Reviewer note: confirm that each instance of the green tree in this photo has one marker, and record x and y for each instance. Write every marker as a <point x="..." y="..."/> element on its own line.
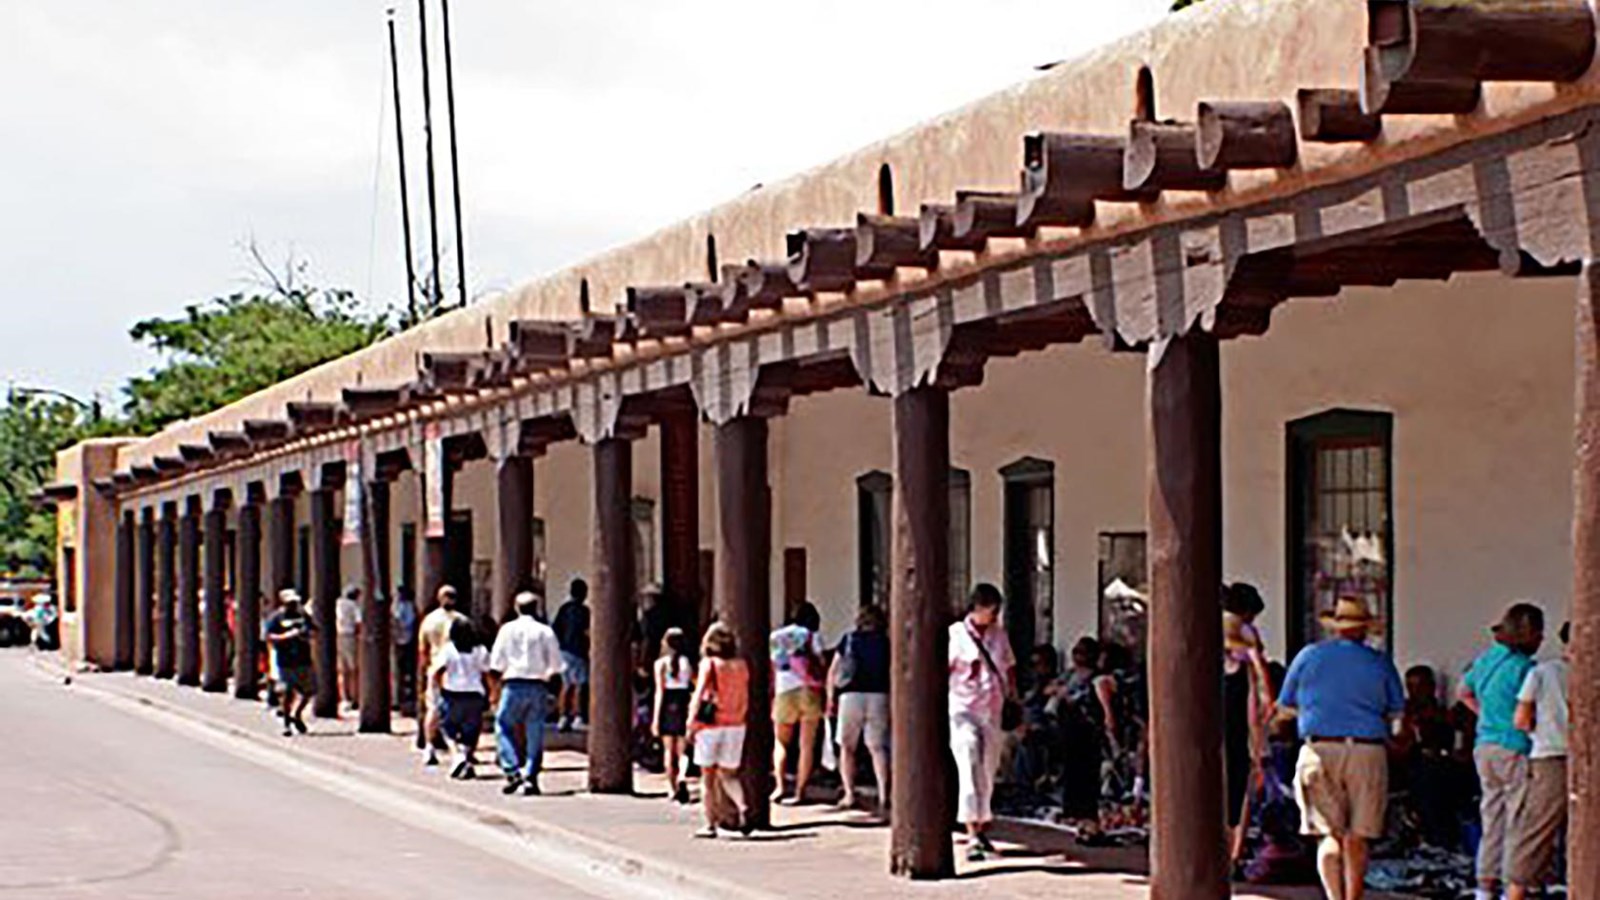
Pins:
<point x="33" y="428"/>
<point x="227" y="348"/>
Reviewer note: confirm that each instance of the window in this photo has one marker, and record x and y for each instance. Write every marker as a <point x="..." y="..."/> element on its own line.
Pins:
<point x="874" y="530"/>
<point x="1029" y="552"/>
<point x="1124" y="591"/>
<point x="1341" y="529"/>
<point x="643" y="514"/>
<point x="875" y="536"/>
<point x="408" y="558"/>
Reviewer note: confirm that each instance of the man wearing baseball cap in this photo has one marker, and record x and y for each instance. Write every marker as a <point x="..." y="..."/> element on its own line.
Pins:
<point x="1343" y="694"/>
<point x="288" y="633"/>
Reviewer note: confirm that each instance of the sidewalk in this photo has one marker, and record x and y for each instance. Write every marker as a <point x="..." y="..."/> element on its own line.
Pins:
<point x="812" y="852"/>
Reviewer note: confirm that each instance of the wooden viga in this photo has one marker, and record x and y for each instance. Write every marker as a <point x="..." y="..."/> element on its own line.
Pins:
<point x="1064" y="174"/>
<point x="1432" y="56"/>
<point x="824" y="260"/>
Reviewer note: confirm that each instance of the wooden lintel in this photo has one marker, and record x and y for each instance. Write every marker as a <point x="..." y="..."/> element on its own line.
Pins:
<point x="1246" y="135"/>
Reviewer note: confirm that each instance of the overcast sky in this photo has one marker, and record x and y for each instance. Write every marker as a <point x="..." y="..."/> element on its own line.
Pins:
<point x="143" y="142"/>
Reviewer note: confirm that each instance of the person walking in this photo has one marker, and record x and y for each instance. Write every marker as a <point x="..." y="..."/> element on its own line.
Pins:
<point x="673" y="675"/>
<point x="288" y="633"/>
<point x="572" y="631"/>
<point x="858" y="693"/>
<point x="347" y="621"/>
<point x="797" y="677"/>
<point x="403" y="614"/>
<point x="982" y="680"/>
<point x="1490" y="689"/>
<point x="717" y="723"/>
<point x="1543" y="714"/>
<point x="458" y="677"/>
<point x="1343" y="694"/>
<point x="432" y="636"/>
<point x="527" y="660"/>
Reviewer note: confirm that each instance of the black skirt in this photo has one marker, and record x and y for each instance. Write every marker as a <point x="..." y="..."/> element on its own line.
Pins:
<point x="675" y="712"/>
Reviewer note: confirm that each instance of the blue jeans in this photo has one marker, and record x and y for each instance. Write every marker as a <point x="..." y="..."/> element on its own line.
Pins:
<point x="523" y="703"/>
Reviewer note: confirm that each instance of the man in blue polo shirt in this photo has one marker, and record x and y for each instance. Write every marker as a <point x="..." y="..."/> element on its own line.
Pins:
<point x="1491" y="689"/>
<point x="1344" y="694"/>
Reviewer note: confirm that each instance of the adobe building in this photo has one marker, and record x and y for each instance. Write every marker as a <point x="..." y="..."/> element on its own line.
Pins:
<point x="1296" y="292"/>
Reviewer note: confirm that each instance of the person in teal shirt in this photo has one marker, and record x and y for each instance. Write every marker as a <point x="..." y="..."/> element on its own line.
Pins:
<point x="1490" y="689"/>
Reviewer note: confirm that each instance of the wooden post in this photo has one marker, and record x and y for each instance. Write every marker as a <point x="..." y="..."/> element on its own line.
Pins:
<point x="514" y="568"/>
<point x="214" y="678"/>
<point x="189" y="594"/>
<point x="122" y="620"/>
<point x="680" y="520"/>
<point x="1188" y="856"/>
<point x="167" y="602"/>
<point x="324" y="600"/>
<point x="610" y="656"/>
<point x="144" y="624"/>
<point x="922" y="807"/>
<point x="281" y="540"/>
<point x="744" y="590"/>
<point x="376" y="631"/>
<point x="247" y="594"/>
<point x="1583" y="838"/>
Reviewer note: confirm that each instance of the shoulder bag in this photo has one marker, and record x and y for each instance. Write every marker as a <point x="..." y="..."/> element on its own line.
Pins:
<point x="1010" y="710"/>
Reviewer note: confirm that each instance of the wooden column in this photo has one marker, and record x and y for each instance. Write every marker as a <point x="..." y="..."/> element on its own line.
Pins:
<point x="167" y="597"/>
<point x="680" y="520"/>
<point x="324" y="599"/>
<point x="247" y="594"/>
<point x="189" y="593"/>
<point x="281" y="541"/>
<point x="744" y="591"/>
<point x="514" y="503"/>
<point x="376" y="631"/>
<point x="610" y="651"/>
<point x="1188" y="856"/>
<point x="922" y="808"/>
<point x="214" y="677"/>
<point x="123" y="617"/>
<point x="144" y="624"/>
<point x="1583" y="837"/>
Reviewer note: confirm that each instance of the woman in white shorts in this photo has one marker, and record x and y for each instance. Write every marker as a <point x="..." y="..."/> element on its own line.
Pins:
<point x="858" y="693"/>
<point x="717" y="723"/>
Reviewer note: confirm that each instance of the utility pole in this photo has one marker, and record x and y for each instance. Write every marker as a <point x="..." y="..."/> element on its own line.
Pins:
<point x="455" y="153"/>
<point x="435" y="295"/>
<point x="405" y="198"/>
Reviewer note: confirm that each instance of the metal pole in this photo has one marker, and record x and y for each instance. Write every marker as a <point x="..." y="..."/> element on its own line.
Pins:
<point x="405" y="197"/>
<point x="435" y="296"/>
<point x="455" y="157"/>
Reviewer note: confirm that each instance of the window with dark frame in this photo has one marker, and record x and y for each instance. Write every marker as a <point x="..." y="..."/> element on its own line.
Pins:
<point x="1341" y="518"/>
<point x="875" y="537"/>
<point x="1030" y="485"/>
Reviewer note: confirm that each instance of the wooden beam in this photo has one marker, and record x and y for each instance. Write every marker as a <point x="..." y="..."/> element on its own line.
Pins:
<point x="451" y="373"/>
<point x="196" y="453"/>
<point x="1246" y="135"/>
<point x="981" y="215"/>
<point x="1334" y="116"/>
<point x="1583" y="837"/>
<point x="707" y="302"/>
<point x="659" y="311"/>
<point x="1381" y="95"/>
<point x="267" y="432"/>
<point x="1481" y="40"/>
<point x="824" y="260"/>
<point x="768" y="284"/>
<point x="372" y="402"/>
<point x="611" y="681"/>
<point x="228" y="444"/>
<point x="1161" y="157"/>
<point x="538" y="345"/>
<point x="309" y="416"/>
<point x="170" y="465"/>
<point x="890" y="242"/>
<point x="1065" y="173"/>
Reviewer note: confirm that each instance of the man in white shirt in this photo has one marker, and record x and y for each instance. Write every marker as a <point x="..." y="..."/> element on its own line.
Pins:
<point x="1542" y="712"/>
<point x="347" y="619"/>
<point x="526" y="658"/>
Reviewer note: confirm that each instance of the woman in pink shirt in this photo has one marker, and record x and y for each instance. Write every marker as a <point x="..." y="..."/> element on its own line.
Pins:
<point x="982" y="676"/>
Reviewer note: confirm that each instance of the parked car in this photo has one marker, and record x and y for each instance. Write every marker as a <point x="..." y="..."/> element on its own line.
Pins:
<point x="14" y="629"/>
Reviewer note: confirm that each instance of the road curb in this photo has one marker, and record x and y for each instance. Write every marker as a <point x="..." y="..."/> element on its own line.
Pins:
<point x="615" y="859"/>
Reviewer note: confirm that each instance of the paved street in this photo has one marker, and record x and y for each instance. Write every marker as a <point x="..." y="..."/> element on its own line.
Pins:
<point x="102" y="802"/>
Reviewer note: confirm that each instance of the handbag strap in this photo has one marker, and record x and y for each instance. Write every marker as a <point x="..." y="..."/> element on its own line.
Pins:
<point x="711" y="680"/>
<point x="988" y="660"/>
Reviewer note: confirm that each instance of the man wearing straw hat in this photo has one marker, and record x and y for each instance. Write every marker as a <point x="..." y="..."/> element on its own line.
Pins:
<point x="1344" y="694"/>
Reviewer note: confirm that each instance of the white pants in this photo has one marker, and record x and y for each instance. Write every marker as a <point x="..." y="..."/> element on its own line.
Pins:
<point x="975" y="743"/>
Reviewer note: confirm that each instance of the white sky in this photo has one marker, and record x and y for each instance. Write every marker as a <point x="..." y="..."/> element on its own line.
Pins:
<point x="142" y="142"/>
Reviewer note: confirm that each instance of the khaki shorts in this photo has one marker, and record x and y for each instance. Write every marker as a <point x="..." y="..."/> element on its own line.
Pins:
<point x="802" y="705"/>
<point x="1342" y="789"/>
<point x="349" y="651"/>
<point x="1539" y="824"/>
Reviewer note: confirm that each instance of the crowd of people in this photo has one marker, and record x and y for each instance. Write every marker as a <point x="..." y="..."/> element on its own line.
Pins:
<point x="1314" y="754"/>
